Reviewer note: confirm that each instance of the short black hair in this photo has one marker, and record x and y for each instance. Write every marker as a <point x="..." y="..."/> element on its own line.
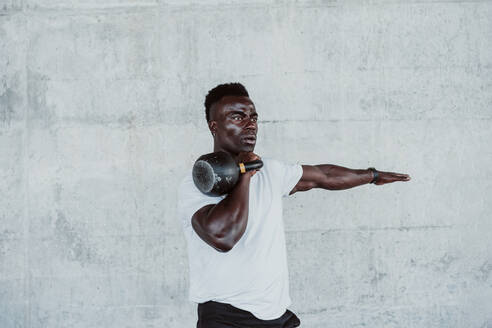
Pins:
<point x="222" y="90"/>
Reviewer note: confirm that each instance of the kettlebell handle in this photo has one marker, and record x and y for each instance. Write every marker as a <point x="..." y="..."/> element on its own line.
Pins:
<point x="250" y="166"/>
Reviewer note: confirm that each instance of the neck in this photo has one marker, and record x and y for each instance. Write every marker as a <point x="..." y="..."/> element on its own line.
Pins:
<point x="218" y="148"/>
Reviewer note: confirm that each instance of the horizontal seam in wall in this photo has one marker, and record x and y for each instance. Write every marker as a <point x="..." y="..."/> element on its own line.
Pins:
<point x="369" y="229"/>
<point x="130" y="9"/>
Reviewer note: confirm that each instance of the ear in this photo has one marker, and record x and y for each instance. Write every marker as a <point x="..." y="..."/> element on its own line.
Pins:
<point x="212" y="125"/>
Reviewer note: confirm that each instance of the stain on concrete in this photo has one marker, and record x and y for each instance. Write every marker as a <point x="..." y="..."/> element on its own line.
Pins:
<point x="377" y="277"/>
<point x="11" y="6"/>
<point x="73" y="245"/>
<point x="313" y="311"/>
<point x="37" y="88"/>
<point x="445" y="262"/>
<point x="57" y="192"/>
<point x="7" y="104"/>
<point x="485" y="271"/>
<point x="2" y="249"/>
<point x="365" y="299"/>
<point x="10" y="100"/>
<point x="151" y="314"/>
<point x="4" y="236"/>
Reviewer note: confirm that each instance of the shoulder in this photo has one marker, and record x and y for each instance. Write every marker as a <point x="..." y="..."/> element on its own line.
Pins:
<point x="270" y="166"/>
<point x="275" y="165"/>
<point x="278" y="169"/>
<point x="271" y="163"/>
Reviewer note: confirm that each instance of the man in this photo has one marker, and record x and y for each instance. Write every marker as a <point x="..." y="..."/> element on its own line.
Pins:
<point x="236" y="242"/>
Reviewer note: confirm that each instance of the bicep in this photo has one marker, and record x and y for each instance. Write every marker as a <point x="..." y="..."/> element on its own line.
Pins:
<point x="312" y="177"/>
<point x="198" y="222"/>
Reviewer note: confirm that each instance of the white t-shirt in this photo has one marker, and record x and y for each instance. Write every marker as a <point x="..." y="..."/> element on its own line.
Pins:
<point x="253" y="275"/>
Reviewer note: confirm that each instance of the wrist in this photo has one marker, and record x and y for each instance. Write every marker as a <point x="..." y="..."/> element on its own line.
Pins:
<point x="375" y="174"/>
<point x="245" y="177"/>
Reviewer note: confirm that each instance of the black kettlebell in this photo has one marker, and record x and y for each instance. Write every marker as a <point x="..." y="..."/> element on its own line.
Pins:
<point x="217" y="173"/>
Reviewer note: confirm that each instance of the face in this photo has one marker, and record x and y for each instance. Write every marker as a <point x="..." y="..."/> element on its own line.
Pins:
<point x="233" y="120"/>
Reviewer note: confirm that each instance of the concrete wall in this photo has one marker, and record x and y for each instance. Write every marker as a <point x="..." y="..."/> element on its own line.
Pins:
<point x="101" y="116"/>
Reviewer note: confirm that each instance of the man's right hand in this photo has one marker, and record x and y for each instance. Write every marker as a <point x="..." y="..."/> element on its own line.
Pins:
<point x="245" y="157"/>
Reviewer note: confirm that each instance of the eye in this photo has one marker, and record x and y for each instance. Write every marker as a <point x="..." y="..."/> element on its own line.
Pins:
<point x="254" y="119"/>
<point x="237" y="118"/>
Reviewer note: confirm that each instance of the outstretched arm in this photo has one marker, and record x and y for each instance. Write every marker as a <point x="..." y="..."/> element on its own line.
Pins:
<point x="334" y="177"/>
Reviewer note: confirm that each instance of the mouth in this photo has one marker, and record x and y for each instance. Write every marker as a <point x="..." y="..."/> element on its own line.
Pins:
<point x="249" y="139"/>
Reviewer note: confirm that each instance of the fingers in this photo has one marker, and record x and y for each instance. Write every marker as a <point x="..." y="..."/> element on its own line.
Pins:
<point x="247" y="157"/>
<point x="399" y="177"/>
<point x="402" y="177"/>
<point x="253" y="157"/>
<point x="389" y="177"/>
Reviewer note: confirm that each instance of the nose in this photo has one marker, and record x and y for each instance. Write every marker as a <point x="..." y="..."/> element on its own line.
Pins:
<point x="252" y="124"/>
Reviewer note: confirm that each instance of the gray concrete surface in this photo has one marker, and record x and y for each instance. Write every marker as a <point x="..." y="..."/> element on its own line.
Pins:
<point x="101" y="115"/>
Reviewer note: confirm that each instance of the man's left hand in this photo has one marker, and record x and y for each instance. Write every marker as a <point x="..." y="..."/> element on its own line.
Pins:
<point x="389" y="177"/>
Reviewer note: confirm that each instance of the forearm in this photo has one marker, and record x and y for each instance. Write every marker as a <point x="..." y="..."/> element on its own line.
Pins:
<point x="339" y="177"/>
<point x="226" y="222"/>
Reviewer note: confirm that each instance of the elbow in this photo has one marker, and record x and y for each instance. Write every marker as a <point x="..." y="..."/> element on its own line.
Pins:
<point x="222" y="246"/>
<point x="223" y="240"/>
<point x="218" y="237"/>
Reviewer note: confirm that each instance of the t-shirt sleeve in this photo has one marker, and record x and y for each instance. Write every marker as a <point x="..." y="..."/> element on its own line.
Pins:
<point x="190" y="200"/>
<point x="290" y="176"/>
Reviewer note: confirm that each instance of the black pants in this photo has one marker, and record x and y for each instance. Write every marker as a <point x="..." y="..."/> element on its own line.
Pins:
<point x="220" y="315"/>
